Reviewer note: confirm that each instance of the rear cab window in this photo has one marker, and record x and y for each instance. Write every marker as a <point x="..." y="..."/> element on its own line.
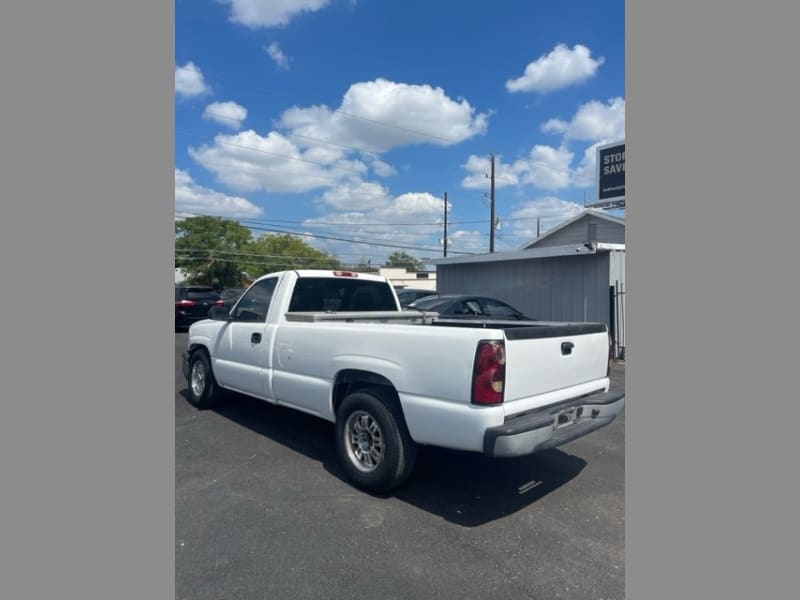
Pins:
<point x="333" y="294"/>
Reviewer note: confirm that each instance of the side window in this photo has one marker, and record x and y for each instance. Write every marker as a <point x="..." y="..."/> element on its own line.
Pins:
<point x="254" y="305"/>
<point x="495" y="308"/>
<point x="473" y="308"/>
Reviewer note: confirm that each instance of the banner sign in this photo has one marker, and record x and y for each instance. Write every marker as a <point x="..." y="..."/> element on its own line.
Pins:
<point x="611" y="171"/>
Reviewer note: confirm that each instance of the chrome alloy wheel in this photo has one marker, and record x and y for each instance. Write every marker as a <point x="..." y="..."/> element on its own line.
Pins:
<point x="364" y="440"/>
<point x="198" y="378"/>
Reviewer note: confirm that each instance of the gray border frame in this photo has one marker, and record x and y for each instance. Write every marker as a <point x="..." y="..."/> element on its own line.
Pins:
<point x="87" y="168"/>
<point x="711" y="410"/>
<point x="86" y="239"/>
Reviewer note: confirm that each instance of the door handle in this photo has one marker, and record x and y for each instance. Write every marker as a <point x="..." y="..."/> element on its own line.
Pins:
<point x="255" y="338"/>
<point x="566" y="348"/>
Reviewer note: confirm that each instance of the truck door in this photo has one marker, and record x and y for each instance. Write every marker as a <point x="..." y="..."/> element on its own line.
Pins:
<point x="244" y="353"/>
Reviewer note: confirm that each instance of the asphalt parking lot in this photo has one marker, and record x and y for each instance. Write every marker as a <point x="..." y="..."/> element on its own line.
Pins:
<point x="263" y="512"/>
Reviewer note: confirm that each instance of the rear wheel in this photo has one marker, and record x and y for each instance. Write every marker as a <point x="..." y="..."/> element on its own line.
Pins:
<point x="203" y="389"/>
<point x="372" y="441"/>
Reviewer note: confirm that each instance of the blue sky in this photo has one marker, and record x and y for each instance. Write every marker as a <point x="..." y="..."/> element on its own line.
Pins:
<point x="350" y="119"/>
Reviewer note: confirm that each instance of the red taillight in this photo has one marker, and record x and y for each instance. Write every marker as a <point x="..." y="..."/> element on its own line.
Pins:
<point x="218" y="302"/>
<point x="185" y="303"/>
<point x="489" y="372"/>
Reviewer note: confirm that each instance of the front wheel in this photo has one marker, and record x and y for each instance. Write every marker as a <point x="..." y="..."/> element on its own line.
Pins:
<point x="372" y="441"/>
<point x="203" y="389"/>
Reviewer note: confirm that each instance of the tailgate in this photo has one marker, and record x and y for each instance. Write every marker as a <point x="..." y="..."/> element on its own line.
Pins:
<point x="550" y="363"/>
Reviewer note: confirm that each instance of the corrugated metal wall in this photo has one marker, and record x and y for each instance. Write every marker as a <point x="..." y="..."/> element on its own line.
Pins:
<point x="586" y="229"/>
<point x="565" y="288"/>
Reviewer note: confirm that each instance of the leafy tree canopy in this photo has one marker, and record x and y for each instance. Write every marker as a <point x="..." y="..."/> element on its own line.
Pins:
<point x="281" y="252"/>
<point x="223" y="253"/>
<point x="209" y="249"/>
<point x="403" y="260"/>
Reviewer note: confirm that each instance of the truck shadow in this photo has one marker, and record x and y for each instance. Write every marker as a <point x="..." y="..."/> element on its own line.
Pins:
<point x="470" y="489"/>
<point x="464" y="488"/>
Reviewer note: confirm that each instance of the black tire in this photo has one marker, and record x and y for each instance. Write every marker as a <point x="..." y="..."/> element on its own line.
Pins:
<point x="203" y="389"/>
<point x="384" y="457"/>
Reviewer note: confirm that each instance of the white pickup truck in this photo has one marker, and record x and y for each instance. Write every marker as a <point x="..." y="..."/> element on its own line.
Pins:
<point x="337" y="345"/>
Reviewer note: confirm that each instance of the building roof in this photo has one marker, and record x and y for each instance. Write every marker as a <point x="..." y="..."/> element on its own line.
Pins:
<point x="582" y="215"/>
<point x="528" y="253"/>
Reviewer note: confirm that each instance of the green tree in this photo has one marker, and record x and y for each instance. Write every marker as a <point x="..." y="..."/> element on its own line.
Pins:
<point x="403" y="260"/>
<point x="209" y="249"/>
<point x="219" y="252"/>
<point x="283" y="252"/>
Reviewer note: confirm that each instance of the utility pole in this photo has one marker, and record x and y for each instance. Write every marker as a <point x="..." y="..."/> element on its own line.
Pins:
<point x="492" y="222"/>
<point x="444" y="240"/>
<point x="538" y="223"/>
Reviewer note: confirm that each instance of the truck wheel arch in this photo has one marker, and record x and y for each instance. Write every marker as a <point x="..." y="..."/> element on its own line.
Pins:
<point x="348" y="381"/>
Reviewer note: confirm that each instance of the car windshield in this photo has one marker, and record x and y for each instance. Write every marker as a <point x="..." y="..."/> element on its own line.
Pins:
<point x="429" y="303"/>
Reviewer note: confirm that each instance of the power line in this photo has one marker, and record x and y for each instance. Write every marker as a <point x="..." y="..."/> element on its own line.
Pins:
<point x="234" y="253"/>
<point x="387" y="223"/>
<point x="352" y="241"/>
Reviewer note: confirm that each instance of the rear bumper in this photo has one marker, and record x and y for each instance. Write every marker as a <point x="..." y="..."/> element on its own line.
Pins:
<point x="553" y="425"/>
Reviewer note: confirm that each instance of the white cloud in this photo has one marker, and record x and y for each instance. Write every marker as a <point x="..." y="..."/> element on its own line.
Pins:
<point x="229" y="114"/>
<point x="560" y="68"/>
<point x="248" y="161"/>
<point x="356" y="195"/>
<point x="480" y="166"/>
<point x="322" y="147"/>
<point x="464" y="240"/>
<point x="191" y="198"/>
<point x="550" y="210"/>
<point x="546" y="167"/>
<point x="593" y="121"/>
<point x="376" y="116"/>
<point x="276" y="54"/>
<point x="189" y="81"/>
<point x="386" y="221"/>
<point x="383" y="169"/>
<point x="585" y="175"/>
<point x="597" y="122"/>
<point x="269" y="13"/>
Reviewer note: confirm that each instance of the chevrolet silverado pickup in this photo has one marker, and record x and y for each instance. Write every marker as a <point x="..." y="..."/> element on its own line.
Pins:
<point x="336" y="344"/>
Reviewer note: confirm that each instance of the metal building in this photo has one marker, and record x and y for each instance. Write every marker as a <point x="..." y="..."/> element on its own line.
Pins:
<point x="576" y="272"/>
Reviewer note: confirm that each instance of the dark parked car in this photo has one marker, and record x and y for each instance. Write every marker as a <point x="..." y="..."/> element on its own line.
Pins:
<point x="408" y="295"/>
<point x="192" y="303"/>
<point x="469" y="307"/>
<point x="230" y="296"/>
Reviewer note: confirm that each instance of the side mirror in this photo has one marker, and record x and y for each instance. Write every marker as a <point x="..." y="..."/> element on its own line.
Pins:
<point x="219" y="313"/>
